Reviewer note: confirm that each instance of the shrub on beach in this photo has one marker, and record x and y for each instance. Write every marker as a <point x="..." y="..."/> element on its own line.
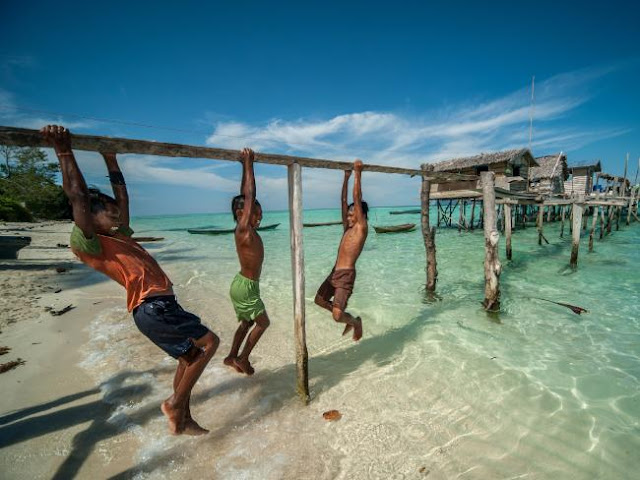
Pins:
<point x="28" y="179"/>
<point x="12" y="211"/>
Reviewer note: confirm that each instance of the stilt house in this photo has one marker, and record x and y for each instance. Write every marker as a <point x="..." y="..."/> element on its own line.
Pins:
<point x="548" y="179"/>
<point x="614" y="184"/>
<point x="510" y="166"/>
<point x="580" y="181"/>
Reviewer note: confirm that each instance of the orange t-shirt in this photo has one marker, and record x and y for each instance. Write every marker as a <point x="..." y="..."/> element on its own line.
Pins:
<point x="122" y="259"/>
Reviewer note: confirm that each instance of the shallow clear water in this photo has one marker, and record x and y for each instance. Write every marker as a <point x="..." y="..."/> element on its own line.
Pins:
<point x="434" y="387"/>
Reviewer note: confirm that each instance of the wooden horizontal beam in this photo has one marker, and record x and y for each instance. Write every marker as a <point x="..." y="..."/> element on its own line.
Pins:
<point x="23" y="137"/>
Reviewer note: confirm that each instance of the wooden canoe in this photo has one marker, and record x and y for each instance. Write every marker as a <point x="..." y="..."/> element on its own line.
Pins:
<point x="405" y="227"/>
<point x="221" y="231"/>
<point x="9" y="245"/>
<point x="401" y="212"/>
<point x="321" y="224"/>
<point x="148" y="239"/>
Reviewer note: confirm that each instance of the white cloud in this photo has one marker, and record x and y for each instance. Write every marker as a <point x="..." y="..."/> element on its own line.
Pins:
<point x="390" y="138"/>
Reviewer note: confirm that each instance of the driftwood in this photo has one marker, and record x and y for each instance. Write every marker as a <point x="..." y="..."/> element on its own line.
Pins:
<point x="62" y="311"/>
<point x="5" y="367"/>
<point x="4" y="350"/>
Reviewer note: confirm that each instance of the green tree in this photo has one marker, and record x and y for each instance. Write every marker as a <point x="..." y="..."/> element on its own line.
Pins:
<point x="29" y="179"/>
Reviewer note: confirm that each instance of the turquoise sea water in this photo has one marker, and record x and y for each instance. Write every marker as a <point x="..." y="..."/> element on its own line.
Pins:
<point x="434" y="388"/>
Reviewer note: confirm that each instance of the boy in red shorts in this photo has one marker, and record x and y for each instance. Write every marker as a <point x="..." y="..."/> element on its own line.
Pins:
<point x="101" y="238"/>
<point x="339" y="284"/>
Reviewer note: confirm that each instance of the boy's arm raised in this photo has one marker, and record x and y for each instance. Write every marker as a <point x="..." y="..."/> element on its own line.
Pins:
<point x="73" y="182"/>
<point x="345" y="203"/>
<point x="357" y="192"/>
<point x="118" y="186"/>
<point x="248" y="187"/>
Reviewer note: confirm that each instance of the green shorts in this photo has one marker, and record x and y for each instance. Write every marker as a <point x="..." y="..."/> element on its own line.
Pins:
<point x="245" y="297"/>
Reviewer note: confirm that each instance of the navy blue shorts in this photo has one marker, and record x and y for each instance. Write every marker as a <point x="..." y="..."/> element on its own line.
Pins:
<point x="165" y="323"/>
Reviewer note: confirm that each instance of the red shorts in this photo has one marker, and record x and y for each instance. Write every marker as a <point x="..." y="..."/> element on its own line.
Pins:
<point x="339" y="286"/>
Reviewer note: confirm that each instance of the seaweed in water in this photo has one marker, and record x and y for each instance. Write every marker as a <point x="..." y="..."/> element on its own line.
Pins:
<point x="573" y="308"/>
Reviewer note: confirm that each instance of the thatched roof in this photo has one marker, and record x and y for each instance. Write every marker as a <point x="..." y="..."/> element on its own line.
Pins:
<point x="547" y="165"/>
<point x="510" y="156"/>
<point x="593" y="165"/>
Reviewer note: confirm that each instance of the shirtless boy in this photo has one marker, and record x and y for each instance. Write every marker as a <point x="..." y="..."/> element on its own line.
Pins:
<point x="245" y="288"/>
<point x="339" y="283"/>
<point x="101" y="238"/>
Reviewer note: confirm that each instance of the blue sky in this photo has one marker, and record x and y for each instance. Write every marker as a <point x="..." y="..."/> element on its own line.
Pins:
<point x="399" y="83"/>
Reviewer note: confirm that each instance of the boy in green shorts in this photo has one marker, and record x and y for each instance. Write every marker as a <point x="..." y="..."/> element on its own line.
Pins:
<point x="245" y="288"/>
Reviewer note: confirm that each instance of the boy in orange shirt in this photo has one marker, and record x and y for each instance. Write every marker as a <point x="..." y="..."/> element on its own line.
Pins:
<point x="101" y="238"/>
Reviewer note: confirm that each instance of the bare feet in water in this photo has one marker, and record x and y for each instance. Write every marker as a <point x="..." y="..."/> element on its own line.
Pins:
<point x="230" y="362"/>
<point x="191" y="427"/>
<point x="175" y="417"/>
<point x="347" y="329"/>
<point x="357" y="329"/>
<point x="243" y="365"/>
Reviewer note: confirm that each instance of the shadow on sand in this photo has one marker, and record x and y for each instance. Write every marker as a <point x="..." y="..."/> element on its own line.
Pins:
<point x="327" y="370"/>
<point x="278" y="386"/>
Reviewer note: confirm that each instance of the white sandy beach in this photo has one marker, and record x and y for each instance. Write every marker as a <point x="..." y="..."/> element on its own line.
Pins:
<point x="49" y="406"/>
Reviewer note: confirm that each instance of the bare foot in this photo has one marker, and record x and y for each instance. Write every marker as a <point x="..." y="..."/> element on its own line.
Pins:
<point x="175" y="417"/>
<point x="244" y="366"/>
<point x="347" y="329"/>
<point x="231" y="362"/>
<point x="357" y="329"/>
<point x="191" y="427"/>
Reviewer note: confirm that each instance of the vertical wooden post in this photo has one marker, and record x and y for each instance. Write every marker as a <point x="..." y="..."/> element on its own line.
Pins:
<point x="428" y="232"/>
<point x="610" y="219"/>
<point x="594" y="220"/>
<point x="507" y="228"/>
<point x="539" y="223"/>
<point x="549" y="211"/>
<point x="575" y="234"/>
<point x="632" y="197"/>
<point x="562" y="221"/>
<point x="473" y="212"/>
<point x="492" y="267"/>
<point x="618" y="213"/>
<point x="297" y="270"/>
<point x="460" y="214"/>
<point x="601" y="222"/>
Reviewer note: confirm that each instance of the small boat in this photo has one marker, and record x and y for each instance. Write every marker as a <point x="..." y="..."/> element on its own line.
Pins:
<point x="9" y="245"/>
<point x="405" y="227"/>
<point x="220" y="231"/>
<point x="321" y="224"/>
<point x="401" y="212"/>
<point x="148" y="239"/>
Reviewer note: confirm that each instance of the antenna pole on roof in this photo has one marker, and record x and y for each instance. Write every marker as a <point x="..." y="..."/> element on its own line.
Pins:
<point x="533" y="84"/>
